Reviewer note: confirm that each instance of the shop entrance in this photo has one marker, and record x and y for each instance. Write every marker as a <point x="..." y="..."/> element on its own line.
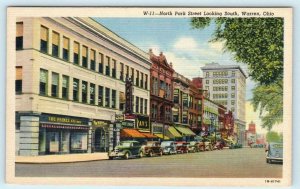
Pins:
<point x="100" y="140"/>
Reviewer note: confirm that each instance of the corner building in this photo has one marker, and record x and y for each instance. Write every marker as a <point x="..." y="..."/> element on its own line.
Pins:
<point x="70" y="85"/>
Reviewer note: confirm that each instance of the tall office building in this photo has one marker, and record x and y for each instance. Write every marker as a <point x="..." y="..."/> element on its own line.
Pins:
<point x="226" y="84"/>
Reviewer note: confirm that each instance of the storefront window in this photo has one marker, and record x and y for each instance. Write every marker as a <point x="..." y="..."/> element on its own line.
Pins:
<point x="113" y="98"/>
<point x="100" y="96"/>
<point x="53" y="142"/>
<point x="78" y="141"/>
<point x="65" y="84"/>
<point x="107" y="97"/>
<point x="75" y="89"/>
<point x="43" y="82"/>
<point x="65" y="143"/>
<point x="84" y="92"/>
<point x="92" y="93"/>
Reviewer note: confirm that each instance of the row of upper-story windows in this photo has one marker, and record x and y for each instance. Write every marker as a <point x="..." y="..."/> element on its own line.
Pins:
<point x="82" y="55"/>
<point x="219" y="74"/>
<point x="85" y="92"/>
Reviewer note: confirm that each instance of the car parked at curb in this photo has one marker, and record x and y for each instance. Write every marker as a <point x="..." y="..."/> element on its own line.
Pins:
<point x="182" y="147"/>
<point x="127" y="149"/>
<point x="194" y="146"/>
<point x="274" y="152"/>
<point x="151" y="148"/>
<point x="169" y="147"/>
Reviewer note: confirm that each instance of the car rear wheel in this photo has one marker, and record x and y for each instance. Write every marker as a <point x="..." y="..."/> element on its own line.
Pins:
<point x="160" y="153"/>
<point x="111" y="158"/>
<point x="141" y="154"/>
<point x="150" y="154"/>
<point x="126" y="155"/>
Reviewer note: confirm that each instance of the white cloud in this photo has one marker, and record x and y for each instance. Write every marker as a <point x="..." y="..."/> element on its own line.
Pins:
<point x="186" y="44"/>
<point x="217" y="46"/>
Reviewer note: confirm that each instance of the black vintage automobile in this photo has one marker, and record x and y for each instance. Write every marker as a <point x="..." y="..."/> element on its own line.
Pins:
<point x="127" y="149"/>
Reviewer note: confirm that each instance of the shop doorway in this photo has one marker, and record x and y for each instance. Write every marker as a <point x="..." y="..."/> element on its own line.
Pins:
<point x="100" y="140"/>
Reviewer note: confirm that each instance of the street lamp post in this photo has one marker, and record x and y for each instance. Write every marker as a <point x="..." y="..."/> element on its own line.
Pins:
<point x="212" y="126"/>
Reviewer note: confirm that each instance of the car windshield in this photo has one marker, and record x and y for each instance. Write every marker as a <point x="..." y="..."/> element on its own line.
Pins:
<point x="163" y="144"/>
<point x="125" y="144"/>
<point x="276" y="146"/>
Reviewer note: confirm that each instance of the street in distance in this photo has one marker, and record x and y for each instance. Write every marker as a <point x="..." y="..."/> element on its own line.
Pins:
<point x="205" y="13"/>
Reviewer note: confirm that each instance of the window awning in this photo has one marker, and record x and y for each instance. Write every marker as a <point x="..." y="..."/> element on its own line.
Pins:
<point x="149" y="135"/>
<point x="174" y="133"/>
<point x="185" y="131"/>
<point x="131" y="133"/>
<point x="161" y="136"/>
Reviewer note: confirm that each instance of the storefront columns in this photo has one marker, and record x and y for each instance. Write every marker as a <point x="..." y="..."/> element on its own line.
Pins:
<point x="90" y="135"/>
<point x="29" y="135"/>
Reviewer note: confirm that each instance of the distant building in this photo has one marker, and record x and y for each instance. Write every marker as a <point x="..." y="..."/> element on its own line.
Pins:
<point x="226" y="85"/>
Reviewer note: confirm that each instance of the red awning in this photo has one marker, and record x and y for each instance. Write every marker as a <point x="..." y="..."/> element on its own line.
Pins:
<point x="149" y="135"/>
<point x="131" y="133"/>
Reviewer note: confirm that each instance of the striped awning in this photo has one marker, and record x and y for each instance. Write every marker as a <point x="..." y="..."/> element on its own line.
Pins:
<point x="161" y="136"/>
<point x="131" y="133"/>
<point x="53" y="126"/>
<point x="185" y="131"/>
<point x="173" y="133"/>
<point x="149" y="135"/>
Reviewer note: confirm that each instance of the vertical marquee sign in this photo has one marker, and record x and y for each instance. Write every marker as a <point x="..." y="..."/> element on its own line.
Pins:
<point x="128" y="92"/>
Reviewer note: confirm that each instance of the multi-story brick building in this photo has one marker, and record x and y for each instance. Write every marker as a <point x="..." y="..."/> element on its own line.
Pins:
<point x="161" y="99"/>
<point x="70" y="75"/>
<point x="183" y="110"/>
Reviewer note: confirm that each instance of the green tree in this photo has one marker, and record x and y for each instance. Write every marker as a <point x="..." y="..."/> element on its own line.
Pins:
<point x="257" y="42"/>
<point x="273" y="137"/>
<point x="268" y="99"/>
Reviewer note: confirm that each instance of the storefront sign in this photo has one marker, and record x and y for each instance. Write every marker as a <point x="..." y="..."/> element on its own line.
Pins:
<point x="127" y="124"/>
<point x="157" y="128"/>
<point x="96" y="122"/>
<point x="63" y="119"/>
<point x="130" y="116"/>
<point x="142" y="122"/>
<point x="119" y="117"/>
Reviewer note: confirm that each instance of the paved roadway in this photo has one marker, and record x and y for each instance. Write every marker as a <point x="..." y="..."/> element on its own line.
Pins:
<point x="236" y="163"/>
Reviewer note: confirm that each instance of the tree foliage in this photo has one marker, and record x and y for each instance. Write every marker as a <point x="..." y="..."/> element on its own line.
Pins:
<point x="268" y="99"/>
<point x="257" y="42"/>
<point x="273" y="137"/>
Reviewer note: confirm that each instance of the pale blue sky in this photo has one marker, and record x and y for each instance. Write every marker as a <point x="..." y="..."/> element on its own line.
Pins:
<point x="188" y="49"/>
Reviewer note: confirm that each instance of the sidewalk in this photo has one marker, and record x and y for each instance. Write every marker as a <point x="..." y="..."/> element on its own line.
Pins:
<point x="66" y="158"/>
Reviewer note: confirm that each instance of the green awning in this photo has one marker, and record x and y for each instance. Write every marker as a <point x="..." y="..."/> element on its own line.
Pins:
<point x="185" y="131"/>
<point x="174" y="133"/>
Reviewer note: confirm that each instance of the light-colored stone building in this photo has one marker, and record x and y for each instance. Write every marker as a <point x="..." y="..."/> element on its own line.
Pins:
<point x="226" y="85"/>
<point x="70" y="85"/>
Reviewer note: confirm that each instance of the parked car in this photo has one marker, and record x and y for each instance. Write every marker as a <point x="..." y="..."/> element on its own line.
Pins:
<point x="182" y="147"/>
<point x="127" y="149"/>
<point x="274" y="152"/>
<point x="151" y="148"/>
<point x="208" y="146"/>
<point x="194" y="146"/>
<point x="169" y="147"/>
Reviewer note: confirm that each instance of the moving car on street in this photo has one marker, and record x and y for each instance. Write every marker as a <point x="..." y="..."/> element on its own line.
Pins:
<point x="274" y="152"/>
<point x="169" y="147"/>
<point x="127" y="149"/>
<point x="151" y="148"/>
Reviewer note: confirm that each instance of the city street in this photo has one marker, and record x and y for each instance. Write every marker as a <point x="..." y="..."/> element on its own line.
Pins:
<point x="227" y="163"/>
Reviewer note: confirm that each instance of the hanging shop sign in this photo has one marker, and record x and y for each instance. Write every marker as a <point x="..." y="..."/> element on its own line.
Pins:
<point x="142" y="122"/>
<point x="52" y="118"/>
